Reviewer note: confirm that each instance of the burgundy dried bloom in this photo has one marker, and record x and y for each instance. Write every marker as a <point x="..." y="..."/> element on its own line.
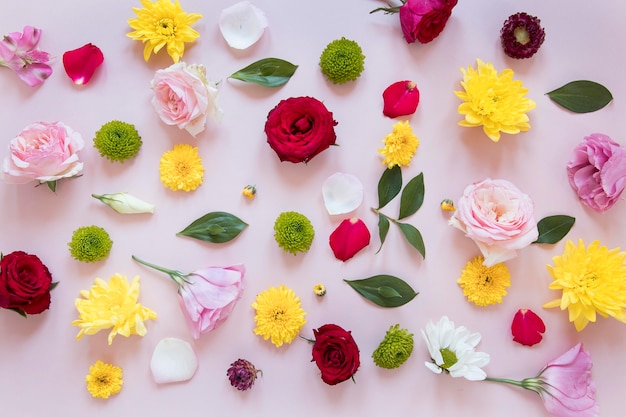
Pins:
<point x="522" y="35"/>
<point x="242" y="374"/>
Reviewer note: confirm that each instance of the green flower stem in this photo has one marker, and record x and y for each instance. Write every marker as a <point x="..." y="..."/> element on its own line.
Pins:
<point x="531" y="384"/>
<point x="391" y="219"/>
<point x="389" y="10"/>
<point x="177" y="276"/>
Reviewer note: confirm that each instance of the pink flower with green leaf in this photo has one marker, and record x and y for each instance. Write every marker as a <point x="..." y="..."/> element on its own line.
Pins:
<point x="18" y="51"/>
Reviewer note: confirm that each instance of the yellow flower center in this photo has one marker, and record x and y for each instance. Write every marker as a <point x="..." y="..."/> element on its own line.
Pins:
<point x="449" y="358"/>
<point x="165" y="27"/>
<point x="278" y="315"/>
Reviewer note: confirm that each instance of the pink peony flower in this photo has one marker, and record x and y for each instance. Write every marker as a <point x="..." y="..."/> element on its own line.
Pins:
<point x="43" y="152"/>
<point x="424" y="20"/>
<point x="401" y="99"/>
<point x="18" y="51"/>
<point x="498" y="217"/>
<point x="184" y="97"/>
<point x="564" y="385"/>
<point x="527" y="327"/>
<point x="349" y="238"/>
<point x="597" y="171"/>
<point x="80" y="64"/>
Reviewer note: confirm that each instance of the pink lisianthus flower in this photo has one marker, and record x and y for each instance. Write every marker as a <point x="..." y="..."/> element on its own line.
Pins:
<point x="498" y="217"/>
<point x="597" y="171"/>
<point x="564" y="384"/>
<point x="80" y="64"/>
<point x="18" y="51"/>
<point x="184" y="97"/>
<point x="44" y="152"/>
<point x="207" y="296"/>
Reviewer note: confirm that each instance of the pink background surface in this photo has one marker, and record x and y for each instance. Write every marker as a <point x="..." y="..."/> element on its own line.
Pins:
<point x="43" y="366"/>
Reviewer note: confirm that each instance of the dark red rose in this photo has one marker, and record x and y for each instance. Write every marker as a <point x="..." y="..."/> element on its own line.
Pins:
<point x="335" y="353"/>
<point x="25" y="283"/>
<point x="299" y="128"/>
<point x="423" y="20"/>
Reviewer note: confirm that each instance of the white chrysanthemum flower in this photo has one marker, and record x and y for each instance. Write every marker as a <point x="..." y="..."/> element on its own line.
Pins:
<point x="452" y="350"/>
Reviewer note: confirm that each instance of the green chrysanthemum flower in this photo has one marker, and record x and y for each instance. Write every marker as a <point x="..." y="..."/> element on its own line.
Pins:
<point x="395" y="348"/>
<point x="342" y="61"/>
<point x="117" y="141"/>
<point x="293" y="232"/>
<point x="90" y="244"/>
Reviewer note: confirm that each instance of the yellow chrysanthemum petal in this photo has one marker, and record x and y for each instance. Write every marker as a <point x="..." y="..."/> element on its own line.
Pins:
<point x="279" y="316"/>
<point x="181" y="168"/>
<point x="483" y="285"/>
<point x="592" y="280"/>
<point x="400" y="145"/>
<point x="104" y="380"/>
<point x="494" y="101"/>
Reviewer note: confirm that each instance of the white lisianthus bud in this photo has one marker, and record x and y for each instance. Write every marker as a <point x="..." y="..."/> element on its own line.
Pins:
<point x="125" y="203"/>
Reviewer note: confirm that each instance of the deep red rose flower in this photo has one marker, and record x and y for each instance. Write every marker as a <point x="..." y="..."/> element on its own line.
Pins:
<point x="335" y="353"/>
<point x="349" y="238"/>
<point x="527" y="327"/>
<point x="299" y="128"/>
<point x="423" y="20"/>
<point x="25" y="283"/>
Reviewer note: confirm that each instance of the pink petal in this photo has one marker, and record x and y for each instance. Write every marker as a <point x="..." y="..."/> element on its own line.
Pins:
<point x="349" y="238"/>
<point x="80" y="64"/>
<point x="401" y="99"/>
<point x="527" y="327"/>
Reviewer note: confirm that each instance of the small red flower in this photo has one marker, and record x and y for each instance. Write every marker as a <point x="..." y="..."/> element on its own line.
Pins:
<point x="348" y="238"/>
<point x="80" y="64"/>
<point x="527" y="327"/>
<point x="401" y="99"/>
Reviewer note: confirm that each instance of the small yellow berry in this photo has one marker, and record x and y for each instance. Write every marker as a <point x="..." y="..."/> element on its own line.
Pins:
<point x="447" y="205"/>
<point x="249" y="191"/>
<point x="319" y="290"/>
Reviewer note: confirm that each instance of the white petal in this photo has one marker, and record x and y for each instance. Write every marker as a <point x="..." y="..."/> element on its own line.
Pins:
<point x="242" y="24"/>
<point x="342" y="193"/>
<point x="173" y="360"/>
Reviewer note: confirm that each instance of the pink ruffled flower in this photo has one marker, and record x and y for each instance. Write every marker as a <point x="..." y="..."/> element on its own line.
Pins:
<point x="18" y="51"/>
<point x="207" y="296"/>
<point x="527" y="327"/>
<point x="184" y="97"/>
<point x="498" y="217"/>
<point x="597" y="171"/>
<point x="565" y="385"/>
<point x="349" y="238"/>
<point x="44" y="152"/>
<point x="80" y="64"/>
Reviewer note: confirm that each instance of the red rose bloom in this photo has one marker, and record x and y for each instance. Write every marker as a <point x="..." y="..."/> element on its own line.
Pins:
<point x="335" y="353"/>
<point x="423" y="20"/>
<point x="25" y="283"/>
<point x="299" y="128"/>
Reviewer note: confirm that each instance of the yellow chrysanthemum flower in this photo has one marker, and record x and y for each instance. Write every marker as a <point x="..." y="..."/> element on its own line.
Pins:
<point x="163" y="23"/>
<point x="104" y="380"/>
<point x="279" y="316"/>
<point x="400" y="145"/>
<point x="593" y="281"/>
<point x="112" y="304"/>
<point x="493" y="100"/>
<point x="181" y="168"/>
<point x="484" y="285"/>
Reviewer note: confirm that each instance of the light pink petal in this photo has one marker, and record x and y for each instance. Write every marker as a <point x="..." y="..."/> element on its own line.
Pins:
<point x="173" y="360"/>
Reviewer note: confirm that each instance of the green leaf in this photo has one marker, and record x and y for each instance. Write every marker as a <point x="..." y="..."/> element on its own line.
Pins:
<point x="216" y="227"/>
<point x="268" y="72"/>
<point x="554" y="228"/>
<point x="389" y="185"/>
<point x="383" y="228"/>
<point x="414" y="237"/>
<point x="53" y="285"/>
<point x="581" y="96"/>
<point x="412" y="196"/>
<point x="384" y="290"/>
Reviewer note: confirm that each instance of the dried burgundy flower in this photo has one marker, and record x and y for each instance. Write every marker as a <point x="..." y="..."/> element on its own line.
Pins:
<point x="521" y="35"/>
<point x="401" y="99"/>
<point x="242" y="374"/>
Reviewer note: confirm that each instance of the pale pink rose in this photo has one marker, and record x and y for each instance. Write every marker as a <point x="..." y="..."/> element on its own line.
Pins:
<point x="184" y="97"/>
<point x="597" y="171"/>
<point x="498" y="217"/>
<point x="209" y="295"/>
<point x="43" y="152"/>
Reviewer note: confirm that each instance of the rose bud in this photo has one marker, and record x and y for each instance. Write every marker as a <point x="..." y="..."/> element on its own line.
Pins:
<point x="400" y="99"/>
<point x="80" y="64"/>
<point x="348" y="238"/>
<point x="527" y="327"/>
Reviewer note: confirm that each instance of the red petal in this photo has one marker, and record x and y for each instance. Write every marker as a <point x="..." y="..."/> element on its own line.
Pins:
<point x="348" y="238"/>
<point x="527" y="327"/>
<point x="400" y="99"/>
<point x="81" y="63"/>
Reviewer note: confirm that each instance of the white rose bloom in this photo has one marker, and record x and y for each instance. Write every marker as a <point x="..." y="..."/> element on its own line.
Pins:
<point x="125" y="203"/>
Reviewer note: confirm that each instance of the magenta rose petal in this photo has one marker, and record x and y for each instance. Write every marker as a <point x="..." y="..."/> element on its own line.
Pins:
<point x="349" y="238"/>
<point x="527" y="327"/>
<point x="80" y="64"/>
<point x="400" y="99"/>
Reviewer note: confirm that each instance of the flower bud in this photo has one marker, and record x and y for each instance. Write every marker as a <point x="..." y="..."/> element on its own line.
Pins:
<point x="348" y="238"/>
<point x="125" y="203"/>
<point x="400" y="99"/>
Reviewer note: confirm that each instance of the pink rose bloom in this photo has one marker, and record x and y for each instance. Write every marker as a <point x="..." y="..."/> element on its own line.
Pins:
<point x="498" y="217"/>
<point x="597" y="171"/>
<point x="43" y="152"/>
<point x="423" y="20"/>
<point x="208" y="296"/>
<point x="184" y="97"/>
<point x="18" y="51"/>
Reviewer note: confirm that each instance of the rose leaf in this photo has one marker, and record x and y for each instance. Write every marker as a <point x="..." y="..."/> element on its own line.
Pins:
<point x="581" y="96"/>
<point x="412" y="196"/>
<point x="554" y="228"/>
<point x="389" y="185"/>
<point x="216" y="227"/>
<point x="384" y="290"/>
